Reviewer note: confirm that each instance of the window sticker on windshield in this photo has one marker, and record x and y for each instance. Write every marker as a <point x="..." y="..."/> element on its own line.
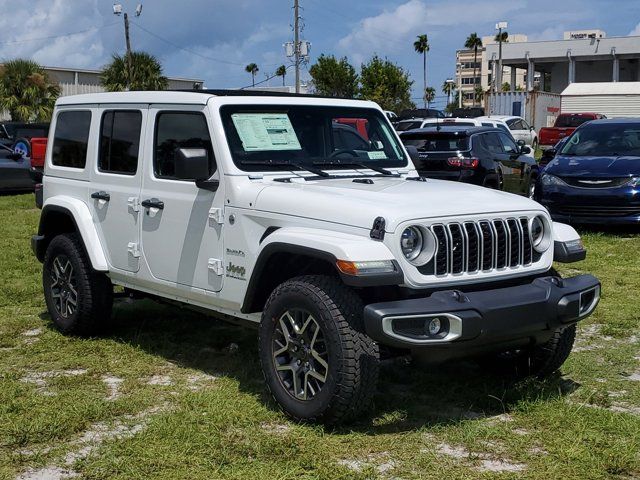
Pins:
<point x="377" y="155"/>
<point x="265" y="131"/>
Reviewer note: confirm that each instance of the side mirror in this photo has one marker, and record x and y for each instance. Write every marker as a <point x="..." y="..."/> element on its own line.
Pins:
<point x="531" y="129"/>
<point x="412" y="150"/>
<point x="520" y="143"/>
<point x="193" y="164"/>
<point x="550" y="153"/>
<point x="525" y="150"/>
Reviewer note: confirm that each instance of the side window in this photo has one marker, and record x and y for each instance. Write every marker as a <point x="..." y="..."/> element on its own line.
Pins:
<point x="525" y="125"/>
<point x="176" y="130"/>
<point x="492" y="142"/>
<point x="511" y="124"/>
<point x="509" y="145"/>
<point x="120" y="141"/>
<point x="71" y="139"/>
<point x="503" y="127"/>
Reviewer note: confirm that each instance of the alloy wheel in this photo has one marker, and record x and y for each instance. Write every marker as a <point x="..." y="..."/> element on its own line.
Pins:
<point x="300" y="354"/>
<point x="63" y="287"/>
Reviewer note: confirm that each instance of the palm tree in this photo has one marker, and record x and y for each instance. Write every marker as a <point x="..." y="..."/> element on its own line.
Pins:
<point x="429" y="95"/>
<point x="26" y="92"/>
<point x="474" y="42"/>
<point x="478" y="92"/>
<point x="281" y="72"/>
<point x="135" y="71"/>
<point x="253" y="69"/>
<point x="448" y="87"/>
<point x="504" y="35"/>
<point x="421" y="46"/>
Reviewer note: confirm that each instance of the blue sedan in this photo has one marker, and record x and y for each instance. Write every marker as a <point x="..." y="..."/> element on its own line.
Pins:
<point x="595" y="176"/>
<point x="14" y="171"/>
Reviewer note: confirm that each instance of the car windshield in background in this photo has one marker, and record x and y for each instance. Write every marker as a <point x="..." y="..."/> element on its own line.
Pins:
<point x="404" y="126"/>
<point x="571" y="121"/>
<point x="604" y="140"/>
<point x="440" y="142"/>
<point x="295" y="137"/>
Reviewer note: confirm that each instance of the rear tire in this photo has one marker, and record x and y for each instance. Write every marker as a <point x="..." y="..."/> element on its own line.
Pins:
<point x="317" y="362"/>
<point x="78" y="298"/>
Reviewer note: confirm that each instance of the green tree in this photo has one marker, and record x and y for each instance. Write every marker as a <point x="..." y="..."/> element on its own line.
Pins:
<point x="333" y="77"/>
<point x="506" y="87"/>
<point x="429" y="95"/>
<point x="504" y="35"/>
<point x="253" y="69"/>
<point x="26" y="91"/>
<point x="454" y="104"/>
<point x="387" y="84"/>
<point x="421" y="46"/>
<point x="281" y="72"/>
<point x="474" y="43"/>
<point x="479" y="92"/>
<point x="134" y="72"/>
<point x="448" y="88"/>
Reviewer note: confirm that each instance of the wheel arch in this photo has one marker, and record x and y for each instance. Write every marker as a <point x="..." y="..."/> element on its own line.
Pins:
<point x="67" y="215"/>
<point x="288" y="253"/>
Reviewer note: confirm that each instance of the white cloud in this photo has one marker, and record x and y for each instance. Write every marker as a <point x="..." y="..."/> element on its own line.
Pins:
<point x="635" y="31"/>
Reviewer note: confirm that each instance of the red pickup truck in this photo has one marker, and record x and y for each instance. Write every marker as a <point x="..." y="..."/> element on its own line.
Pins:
<point x="565" y="124"/>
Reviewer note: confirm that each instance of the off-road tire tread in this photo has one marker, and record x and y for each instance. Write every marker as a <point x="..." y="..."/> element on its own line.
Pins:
<point x="358" y="375"/>
<point x="94" y="289"/>
<point x="547" y="358"/>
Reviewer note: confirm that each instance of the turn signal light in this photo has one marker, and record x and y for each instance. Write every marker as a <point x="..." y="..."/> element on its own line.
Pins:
<point x="463" y="162"/>
<point x="364" y="268"/>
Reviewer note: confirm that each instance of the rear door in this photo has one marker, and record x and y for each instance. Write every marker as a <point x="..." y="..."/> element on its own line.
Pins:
<point x="116" y="178"/>
<point x="14" y="174"/>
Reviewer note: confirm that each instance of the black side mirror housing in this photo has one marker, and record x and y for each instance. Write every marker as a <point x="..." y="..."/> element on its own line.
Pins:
<point x="525" y="150"/>
<point x="520" y="143"/>
<point x="193" y="164"/>
<point x="412" y="150"/>
<point x="550" y="153"/>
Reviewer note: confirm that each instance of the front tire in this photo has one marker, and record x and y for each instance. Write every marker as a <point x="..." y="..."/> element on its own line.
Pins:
<point x="318" y="363"/>
<point x="78" y="298"/>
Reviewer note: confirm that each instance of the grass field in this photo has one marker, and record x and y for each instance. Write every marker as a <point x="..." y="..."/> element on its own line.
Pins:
<point x="172" y="394"/>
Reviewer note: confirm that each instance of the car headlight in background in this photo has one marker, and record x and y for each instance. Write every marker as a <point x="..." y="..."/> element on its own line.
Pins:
<point x="418" y="245"/>
<point x="411" y="243"/>
<point x="549" y="180"/>
<point x="540" y="232"/>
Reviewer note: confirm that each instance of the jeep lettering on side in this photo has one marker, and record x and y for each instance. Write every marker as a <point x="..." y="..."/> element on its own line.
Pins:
<point x="277" y="210"/>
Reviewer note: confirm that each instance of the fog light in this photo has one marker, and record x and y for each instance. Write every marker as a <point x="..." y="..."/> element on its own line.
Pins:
<point x="433" y="326"/>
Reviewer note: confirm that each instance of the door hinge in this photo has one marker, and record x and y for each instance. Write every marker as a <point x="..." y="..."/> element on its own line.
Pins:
<point x="216" y="215"/>
<point x="215" y="265"/>
<point x="134" y="203"/>
<point x="133" y="249"/>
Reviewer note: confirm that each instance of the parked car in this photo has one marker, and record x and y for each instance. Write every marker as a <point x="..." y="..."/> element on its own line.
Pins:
<point x="595" y="177"/>
<point x="519" y="128"/>
<point x="483" y="156"/>
<point x="14" y="171"/>
<point x="468" y="112"/>
<point x="417" y="113"/>
<point x="18" y="135"/>
<point x="461" y="122"/>
<point x="564" y="126"/>
<point x="245" y="206"/>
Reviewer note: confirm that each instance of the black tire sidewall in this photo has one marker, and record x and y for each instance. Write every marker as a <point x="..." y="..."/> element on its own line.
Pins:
<point x="301" y="298"/>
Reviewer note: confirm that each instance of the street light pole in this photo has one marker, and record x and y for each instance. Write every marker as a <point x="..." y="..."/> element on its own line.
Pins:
<point x="499" y="27"/>
<point x="459" y="68"/>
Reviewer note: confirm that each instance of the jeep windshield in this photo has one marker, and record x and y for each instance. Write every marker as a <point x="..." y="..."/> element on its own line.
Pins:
<point x="305" y="137"/>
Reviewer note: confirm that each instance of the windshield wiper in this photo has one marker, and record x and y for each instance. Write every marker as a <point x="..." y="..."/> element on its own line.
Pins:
<point x="375" y="168"/>
<point x="286" y="163"/>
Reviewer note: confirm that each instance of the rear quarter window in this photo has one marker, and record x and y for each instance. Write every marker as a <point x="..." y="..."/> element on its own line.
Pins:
<point x="71" y="139"/>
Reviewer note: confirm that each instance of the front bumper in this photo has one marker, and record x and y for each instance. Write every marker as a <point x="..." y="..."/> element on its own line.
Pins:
<point x="484" y="320"/>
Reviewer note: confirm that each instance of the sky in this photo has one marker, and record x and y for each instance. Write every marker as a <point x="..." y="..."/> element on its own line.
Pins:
<point x="214" y="40"/>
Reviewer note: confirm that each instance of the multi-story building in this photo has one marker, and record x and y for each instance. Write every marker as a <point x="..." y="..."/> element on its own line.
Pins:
<point x="483" y="70"/>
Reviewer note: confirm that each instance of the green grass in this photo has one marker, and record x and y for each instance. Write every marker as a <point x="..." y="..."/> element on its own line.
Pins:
<point x="187" y="406"/>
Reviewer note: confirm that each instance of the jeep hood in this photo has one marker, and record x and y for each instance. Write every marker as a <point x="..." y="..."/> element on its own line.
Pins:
<point x="396" y="199"/>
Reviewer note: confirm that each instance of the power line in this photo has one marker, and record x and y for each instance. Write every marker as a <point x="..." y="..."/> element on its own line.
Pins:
<point x="266" y="79"/>
<point x="52" y="37"/>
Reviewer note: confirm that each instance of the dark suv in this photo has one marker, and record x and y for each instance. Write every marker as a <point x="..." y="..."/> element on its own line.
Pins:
<point x="483" y="156"/>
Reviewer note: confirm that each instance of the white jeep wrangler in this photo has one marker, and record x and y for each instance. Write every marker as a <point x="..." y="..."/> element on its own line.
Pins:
<point x="306" y="217"/>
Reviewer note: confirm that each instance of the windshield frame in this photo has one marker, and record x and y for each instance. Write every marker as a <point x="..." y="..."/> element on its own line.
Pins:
<point x="280" y="160"/>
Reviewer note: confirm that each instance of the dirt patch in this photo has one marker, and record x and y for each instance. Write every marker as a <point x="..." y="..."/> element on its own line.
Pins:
<point x="199" y="381"/>
<point x="32" y="333"/>
<point x="89" y="441"/>
<point x="41" y="379"/>
<point x="275" y="428"/>
<point x="161" y="380"/>
<point x="483" y="462"/>
<point x="113" y="386"/>
<point x="380" y="462"/>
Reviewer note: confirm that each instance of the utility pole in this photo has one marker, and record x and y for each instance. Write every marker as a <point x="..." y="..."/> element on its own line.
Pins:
<point x="296" y="42"/>
<point x="126" y="34"/>
<point x="498" y="74"/>
<point x="117" y="10"/>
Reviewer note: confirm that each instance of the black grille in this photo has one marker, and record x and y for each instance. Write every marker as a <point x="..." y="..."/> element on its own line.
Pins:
<point x="484" y="245"/>
<point x="595" y="182"/>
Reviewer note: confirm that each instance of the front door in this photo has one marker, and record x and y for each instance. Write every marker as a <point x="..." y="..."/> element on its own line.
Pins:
<point x="181" y="223"/>
<point x="115" y="184"/>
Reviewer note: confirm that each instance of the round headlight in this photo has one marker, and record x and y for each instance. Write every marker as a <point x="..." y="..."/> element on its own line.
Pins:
<point x="411" y="243"/>
<point x="538" y="232"/>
